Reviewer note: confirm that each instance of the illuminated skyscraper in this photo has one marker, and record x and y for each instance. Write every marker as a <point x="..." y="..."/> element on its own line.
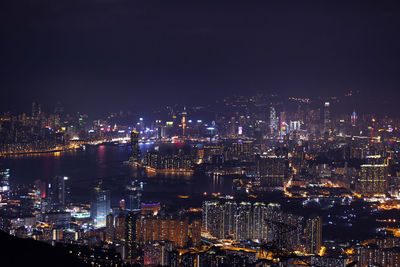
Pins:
<point x="373" y="176"/>
<point x="136" y="155"/>
<point x="196" y="233"/>
<point x="314" y="234"/>
<point x="131" y="219"/>
<point x="212" y="221"/>
<point x="233" y="127"/>
<point x="294" y="126"/>
<point x="229" y="212"/>
<point x="4" y="180"/>
<point x="184" y="113"/>
<point x="134" y="196"/>
<point x="342" y="128"/>
<point x="182" y="233"/>
<point x="282" y="116"/>
<point x="244" y="222"/>
<point x="259" y="223"/>
<point x="150" y="229"/>
<point x="57" y="193"/>
<point x="327" y="117"/>
<point x="152" y="254"/>
<point x="272" y="119"/>
<point x="120" y="227"/>
<point x="284" y="129"/>
<point x="353" y="119"/>
<point x="272" y="170"/>
<point x="241" y="149"/>
<point x="110" y="229"/>
<point x="100" y="206"/>
<point x="150" y="208"/>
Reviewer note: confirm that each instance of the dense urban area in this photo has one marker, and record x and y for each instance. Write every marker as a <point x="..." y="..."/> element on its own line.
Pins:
<point x="312" y="182"/>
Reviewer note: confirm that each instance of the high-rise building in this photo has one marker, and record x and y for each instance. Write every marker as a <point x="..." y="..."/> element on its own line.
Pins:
<point x="57" y="193"/>
<point x="353" y="119"/>
<point x="136" y="155"/>
<point x="232" y="127"/>
<point x="100" y="206"/>
<point x="181" y="239"/>
<point x="342" y="128"/>
<point x="259" y="221"/>
<point x="4" y="180"/>
<point x="120" y="227"/>
<point x="282" y="117"/>
<point x="244" y="222"/>
<point x="327" y="117"/>
<point x="110" y="229"/>
<point x="212" y="214"/>
<point x="373" y="176"/>
<point x="229" y="212"/>
<point x="150" y="208"/>
<point x="152" y="254"/>
<point x="133" y="200"/>
<point x="241" y="149"/>
<point x="131" y="221"/>
<point x="271" y="170"/>
<point x="273" y="215"/>
<point x="196" y="233"/>
<point x="164" y="229"/>
<point x="272" y="120"/>
<point x="151" y="228"/>
<point x="184" y="113"/>
<point x="294" y="126"/>
<point x="376" y="255"/>
<point x="314" y="234"/>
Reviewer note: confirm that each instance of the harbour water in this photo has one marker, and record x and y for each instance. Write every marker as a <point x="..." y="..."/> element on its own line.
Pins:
<point x="85" y="167"/>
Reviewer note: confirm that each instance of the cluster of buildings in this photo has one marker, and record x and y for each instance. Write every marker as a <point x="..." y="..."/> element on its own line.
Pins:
<point x="262" y="223"/>
<point x="307" y="152"/>
<point x="40" y="132"/>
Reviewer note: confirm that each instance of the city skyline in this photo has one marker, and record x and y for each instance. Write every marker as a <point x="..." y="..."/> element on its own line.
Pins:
<point x="200" y="134"/>
<point x="122" y="54"/>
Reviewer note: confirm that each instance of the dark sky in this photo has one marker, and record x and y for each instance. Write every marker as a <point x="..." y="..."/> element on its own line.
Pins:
<point x="116" y="54"/>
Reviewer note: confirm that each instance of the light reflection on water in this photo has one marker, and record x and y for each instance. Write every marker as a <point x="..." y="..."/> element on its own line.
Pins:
<point x="85" y="167"/>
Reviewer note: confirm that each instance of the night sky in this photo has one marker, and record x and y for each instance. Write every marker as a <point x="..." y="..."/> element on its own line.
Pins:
<point x="108" y="55"/>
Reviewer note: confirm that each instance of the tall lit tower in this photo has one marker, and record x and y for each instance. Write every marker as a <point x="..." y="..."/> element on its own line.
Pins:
<point x="184" y="113"/>
<point x="136" y="154"/>
<point x="353" y="119"/>
<point x="272" y="119"/>
<point x="327" y="117"/>
<point x="244" y="222"/>
<point x="57" y="192"/>
<point x="259" y="219"/>
<point x="372" y="129"/>
<point x="134" y="196"/>
<point x="229" y="213"/>
<point x="100" y="206"/>
<point x="373" y="176"/>
<point x="131" y="234"/>
<point x="212" y="221"/>
<point x="314" y="234"/>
